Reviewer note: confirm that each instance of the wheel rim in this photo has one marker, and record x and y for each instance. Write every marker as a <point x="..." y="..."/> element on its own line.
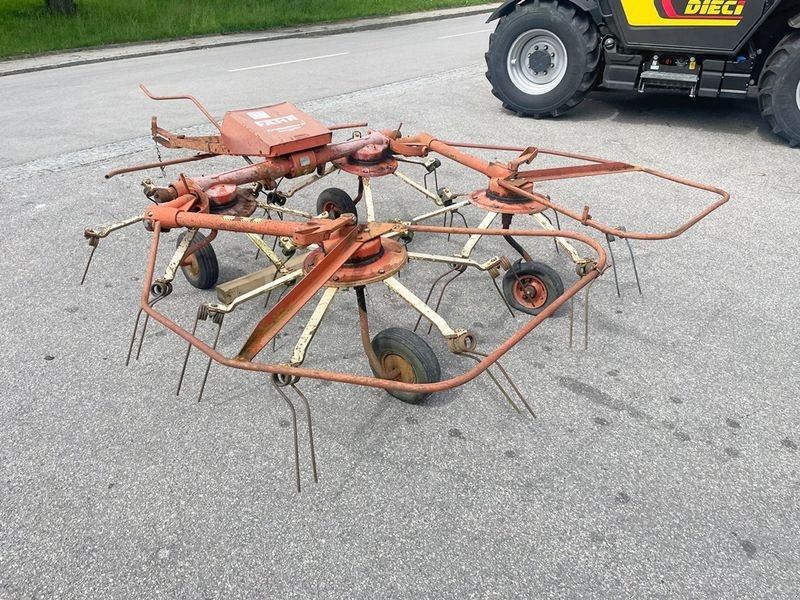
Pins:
<point x="530" y="291"/>
<point x="398" y="368"/>
<point x="537" y="62"/>
<point x="192" y="266"/>
<point x="330" y="208"/>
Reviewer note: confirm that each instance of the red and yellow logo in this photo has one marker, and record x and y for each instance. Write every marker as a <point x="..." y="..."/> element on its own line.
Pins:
<point x="683" y="13"/>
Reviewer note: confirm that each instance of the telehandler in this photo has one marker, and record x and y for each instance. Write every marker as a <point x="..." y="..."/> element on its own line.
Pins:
<point x="546" y="55"/>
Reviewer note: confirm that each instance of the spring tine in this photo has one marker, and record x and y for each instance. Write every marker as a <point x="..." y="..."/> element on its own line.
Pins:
<point x="571" y="319"/>
<point x="430" y="292"/>
<point x="141" y="339"/>
<point x="458" y="274"/>
<point x="586" y="317"/>
<point x="463" y="218"/>
<point x="269" y="293"/>
<point x="275" y="339"/>
<point x="451" y="224"/>
<point x="510" y="381"/>
<point x="633" y="262"/>
<point x="497" y="383"/>
<point x="503" y="298"/>
<point x="94" y="243"/>
<point x="558" y="226"/>
<point x="258" y="250"/>
<point x="188" y="350"/>
<point x="310" y="431"/>
<point x="294" y="429"/>
<point x="153" y="302"/>
<point x="208" y="364"/>
<point x="133" y="337"/>
<point x="610" y="238"/>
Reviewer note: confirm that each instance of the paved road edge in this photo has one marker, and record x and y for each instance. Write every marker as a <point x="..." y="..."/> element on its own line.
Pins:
<point x="74" y="58"/>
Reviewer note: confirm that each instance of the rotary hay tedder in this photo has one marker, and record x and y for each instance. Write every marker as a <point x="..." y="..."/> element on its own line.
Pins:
<point x="332" y="250"/>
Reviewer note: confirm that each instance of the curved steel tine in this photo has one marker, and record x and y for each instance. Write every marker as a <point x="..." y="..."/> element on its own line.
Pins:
<point x="463" y="218"/>
<point x="497" y="383"/>
<point x="141" y="339"/>
<point x="586" y="317"/>
<point x="219" y="317"/>
<point x="294" y="429"/>
<point x="200" y="311"/>
<point x="430" y="292"/>
<point x="133" y="337"/>
<point x="610" y="238"/>
<point x="558" y="226"/>
<point x="269" y="293"/>
<point x="571" y="319"/>
<point x="451" y="222"/>
<point x="144" y="328"/>
<point x="458" y="274"/>
<point x="94" y="243"/>
<point x="275" y="339"/>
<point x="510" y="381"/>
<point x="310" y="431"/>
<point x="502" y="297"/>
<point x="633" y="262"/>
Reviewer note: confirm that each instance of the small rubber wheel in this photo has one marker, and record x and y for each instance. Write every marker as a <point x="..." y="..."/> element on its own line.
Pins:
<point x="530" y="287"/>
<point x="543" y="58"/>
<point x="406" y="357"/>
<point x="336" y="202"/>
<point x="202" y="270"/>
<point x="779" y="89"/>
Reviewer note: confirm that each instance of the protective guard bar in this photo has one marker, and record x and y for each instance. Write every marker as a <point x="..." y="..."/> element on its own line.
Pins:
<point x="282" y="369"/>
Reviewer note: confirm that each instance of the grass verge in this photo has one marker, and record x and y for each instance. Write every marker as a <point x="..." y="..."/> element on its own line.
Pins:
<point x="27" y="27"/>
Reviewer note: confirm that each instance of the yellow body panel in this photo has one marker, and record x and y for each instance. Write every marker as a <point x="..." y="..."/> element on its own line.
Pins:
<point x="643" y="13"/>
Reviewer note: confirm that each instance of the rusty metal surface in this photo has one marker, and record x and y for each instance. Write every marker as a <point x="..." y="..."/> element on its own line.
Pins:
<point x="390" y="257"/>
<point x="385" y="166"/>
<point x="271" y="131"/>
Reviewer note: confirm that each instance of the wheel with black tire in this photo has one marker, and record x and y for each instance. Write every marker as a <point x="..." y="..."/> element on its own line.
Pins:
<point x="335" y="202"/>
<point x="406" y="357"/>
<point x="779" y="89"/>
<point x="543" y="58"/>
<point x="530" y="287"/>
<point x="202" y="268"/>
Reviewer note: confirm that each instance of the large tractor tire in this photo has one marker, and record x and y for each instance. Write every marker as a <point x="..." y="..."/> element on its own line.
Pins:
<point x="543" y="58"/>
<point x="779" y="89"/>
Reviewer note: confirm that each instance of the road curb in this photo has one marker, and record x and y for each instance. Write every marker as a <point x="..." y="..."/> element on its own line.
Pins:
<point x="122" y="52"/>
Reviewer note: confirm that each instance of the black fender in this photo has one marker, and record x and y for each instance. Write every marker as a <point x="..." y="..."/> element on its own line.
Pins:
<point x="590" y="6"/>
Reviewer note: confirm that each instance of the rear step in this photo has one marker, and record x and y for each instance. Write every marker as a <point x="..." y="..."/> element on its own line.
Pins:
<point x="664" y="79"/>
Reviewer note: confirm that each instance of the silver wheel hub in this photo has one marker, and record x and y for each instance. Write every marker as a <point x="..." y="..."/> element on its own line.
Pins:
<point x="537" y="62"/>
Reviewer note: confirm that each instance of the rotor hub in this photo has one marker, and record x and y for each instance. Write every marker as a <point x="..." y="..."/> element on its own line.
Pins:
<point x="372" y="160"/>
<point x="503" y="202"/>
<point x="376" y="260"/>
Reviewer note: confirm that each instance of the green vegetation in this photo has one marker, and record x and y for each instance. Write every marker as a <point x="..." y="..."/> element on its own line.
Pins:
<point x="28" y="27"/>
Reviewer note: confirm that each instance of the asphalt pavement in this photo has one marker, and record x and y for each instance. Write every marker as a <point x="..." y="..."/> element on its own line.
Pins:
<point x="664" y="459"/>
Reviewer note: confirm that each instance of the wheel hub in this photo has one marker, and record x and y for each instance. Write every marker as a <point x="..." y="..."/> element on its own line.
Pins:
<point x="537" y="62"/>
<point x="531" y="291"/>
<point x="398" y="369"/>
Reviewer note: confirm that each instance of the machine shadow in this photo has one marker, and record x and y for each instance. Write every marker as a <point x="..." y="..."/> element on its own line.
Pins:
<point x="726" y="116"/>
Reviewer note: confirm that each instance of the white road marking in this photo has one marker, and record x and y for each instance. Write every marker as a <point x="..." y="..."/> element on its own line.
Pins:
<point x="287" y="62"/>
<point x="447" y="37"/>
